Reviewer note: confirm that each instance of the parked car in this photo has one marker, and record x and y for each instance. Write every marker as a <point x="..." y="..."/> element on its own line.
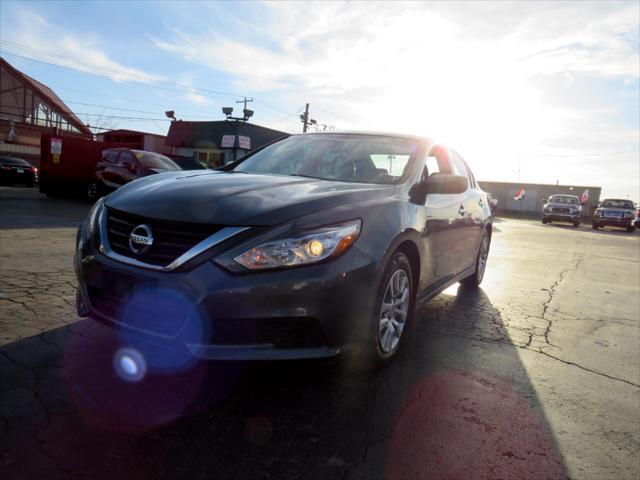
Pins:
<point x="118" y="166"/>
<point x="562" y="208"/>
<point x="15" y="170"/>
<point x="315" y="245"/>
<point x="613" y="212"/>
<point x="636" y="222"/>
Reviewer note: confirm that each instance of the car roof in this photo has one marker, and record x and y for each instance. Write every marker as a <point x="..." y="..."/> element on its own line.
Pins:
<point x="368" y="132"/>
<point x="7" y="158"/>
<point x="617" y="200"/>
<point x="564" y="195"/>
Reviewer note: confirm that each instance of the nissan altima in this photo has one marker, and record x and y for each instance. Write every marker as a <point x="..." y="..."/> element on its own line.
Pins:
<point x="313" y="246"/>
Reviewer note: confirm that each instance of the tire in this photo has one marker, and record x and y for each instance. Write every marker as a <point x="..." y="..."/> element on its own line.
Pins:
<point x="545" y="221"/>
<point x="474" y="281"/>
<point x="94" y="192"/>
<point x="29" y="184"/>
<point x="388" y="325"/>
<point x="594" y="226"/>
<point x="630" y="229"/>
<point x="576" y="224"/>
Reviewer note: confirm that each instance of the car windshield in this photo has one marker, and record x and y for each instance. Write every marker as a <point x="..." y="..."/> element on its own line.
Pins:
<point x="617" y="204"/>
<point x="14" y="161"/>
<point x="155" y="160"/>
<point x="345" y="158"/>
<point x="563" y="199"/>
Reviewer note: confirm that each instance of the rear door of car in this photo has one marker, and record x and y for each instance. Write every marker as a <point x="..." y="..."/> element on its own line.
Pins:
<point x="127" y="166"/>
<point x="107" y="168"/>
<point x="473" y="212"/>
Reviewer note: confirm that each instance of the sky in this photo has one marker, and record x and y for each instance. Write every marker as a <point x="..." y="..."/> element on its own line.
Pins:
<point x="526" y="92"/>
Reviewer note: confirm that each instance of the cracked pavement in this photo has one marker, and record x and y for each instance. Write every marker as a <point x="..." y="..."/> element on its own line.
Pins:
<point x="536" y="375"/>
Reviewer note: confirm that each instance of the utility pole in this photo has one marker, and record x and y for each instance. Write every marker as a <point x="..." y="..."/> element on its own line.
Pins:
<point x="245" y="101"/>
<point x="306" y="121"/>
<point x="305" y="118"/>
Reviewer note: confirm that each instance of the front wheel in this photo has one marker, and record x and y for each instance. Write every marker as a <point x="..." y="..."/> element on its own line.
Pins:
<point x="392" y="312"/>
<point x="576" y="224"/>
<point x="595" y="227"/>
<point x="473" y="281"/>
<point x="630" y="229"/>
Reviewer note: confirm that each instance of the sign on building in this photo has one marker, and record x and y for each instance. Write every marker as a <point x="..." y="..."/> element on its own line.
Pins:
<point x="228" y="141"/>
<point x="244" y="142"/>
<point x="56" y="149"/>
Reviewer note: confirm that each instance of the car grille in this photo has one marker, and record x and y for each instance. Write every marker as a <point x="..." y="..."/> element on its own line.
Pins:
<point x="612" y="214"/>
<point x="560" y="210"/>
<point x="170" y="239"/>
<point x="280" y="332"/>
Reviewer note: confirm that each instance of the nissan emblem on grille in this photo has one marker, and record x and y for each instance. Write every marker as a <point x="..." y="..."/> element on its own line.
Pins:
<point x="140" y="239"/>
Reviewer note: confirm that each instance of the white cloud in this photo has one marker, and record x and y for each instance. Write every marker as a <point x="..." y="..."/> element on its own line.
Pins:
<point x="32" y="36"/>
<point x="469" y="73"/>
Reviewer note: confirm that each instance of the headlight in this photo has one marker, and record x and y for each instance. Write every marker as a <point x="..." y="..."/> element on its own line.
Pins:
<point x="307" y="248"/>
<point x="94" y="217"/>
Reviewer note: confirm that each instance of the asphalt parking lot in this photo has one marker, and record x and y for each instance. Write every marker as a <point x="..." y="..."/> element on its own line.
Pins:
<point x="537" y="375"/>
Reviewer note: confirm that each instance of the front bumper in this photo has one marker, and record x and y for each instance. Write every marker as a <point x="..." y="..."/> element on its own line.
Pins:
<point x="561" y="217"/>
<point x="612" y="222"/>
<point x="316" y="311"/>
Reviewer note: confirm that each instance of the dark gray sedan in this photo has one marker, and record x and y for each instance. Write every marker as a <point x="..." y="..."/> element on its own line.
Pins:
<point x="315" y="245"/>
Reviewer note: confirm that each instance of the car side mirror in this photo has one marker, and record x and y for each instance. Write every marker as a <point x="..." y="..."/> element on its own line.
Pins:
<point x="445" y="184"/>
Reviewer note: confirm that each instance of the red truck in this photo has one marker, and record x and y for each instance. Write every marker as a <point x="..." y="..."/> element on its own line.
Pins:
<point x="67" y="163"/>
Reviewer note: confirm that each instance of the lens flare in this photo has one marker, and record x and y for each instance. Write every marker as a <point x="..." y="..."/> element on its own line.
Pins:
<point x="129" y="364"/>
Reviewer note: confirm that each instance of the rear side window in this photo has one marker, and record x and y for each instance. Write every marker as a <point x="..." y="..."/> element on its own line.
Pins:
<point x="14" y="161"/>
<point x="438" y="161"/>
<point x="459" y="168"/>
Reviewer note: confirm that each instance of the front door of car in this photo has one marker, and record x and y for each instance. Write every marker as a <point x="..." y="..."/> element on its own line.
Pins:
<point x="444" y="224"/>
<point x="127" y="164"/>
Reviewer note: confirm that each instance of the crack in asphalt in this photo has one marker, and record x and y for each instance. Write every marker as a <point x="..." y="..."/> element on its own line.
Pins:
<point x="551" y="291"/>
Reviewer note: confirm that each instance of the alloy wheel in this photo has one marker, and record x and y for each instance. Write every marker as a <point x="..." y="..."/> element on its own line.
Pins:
<point x="482" y="257"/>
<point x="394" y="311"/>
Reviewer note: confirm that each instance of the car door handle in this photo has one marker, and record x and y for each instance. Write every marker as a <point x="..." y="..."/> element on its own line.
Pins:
<point x="462" y="210"/>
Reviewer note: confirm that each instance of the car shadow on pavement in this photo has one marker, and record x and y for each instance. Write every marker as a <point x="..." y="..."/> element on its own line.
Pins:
<point x="456" y="403"/>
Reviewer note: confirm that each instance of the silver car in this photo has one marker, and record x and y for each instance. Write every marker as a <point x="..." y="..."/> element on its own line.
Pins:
<point x="562" y="208"/>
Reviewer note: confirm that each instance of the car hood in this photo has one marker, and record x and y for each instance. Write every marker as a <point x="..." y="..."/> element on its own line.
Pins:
<point x="233" y="198"/>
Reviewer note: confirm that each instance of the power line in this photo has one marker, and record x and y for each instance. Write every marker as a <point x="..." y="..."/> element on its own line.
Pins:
<point x="341" y="117"/>
<point x="152" y="84"/>
<point x="110" y="72"/>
